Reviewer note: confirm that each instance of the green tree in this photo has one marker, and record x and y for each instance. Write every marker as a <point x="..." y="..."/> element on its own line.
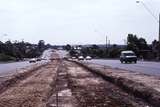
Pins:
<point x="41" y="45"/>
<point x="95" y="47"/>
<point x="132" y="42"/>
<point x="19" y="50"/>
<point x="68" y="47"/>
<point x="138" y="45"/>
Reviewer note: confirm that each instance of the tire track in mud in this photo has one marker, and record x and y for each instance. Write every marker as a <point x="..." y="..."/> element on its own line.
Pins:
<point x="62" y="95"/>
<point x="66" y="84"/>
<point x="32" y="91"/>
<point x="92" y="91"/>
<point x="15" y="79"/>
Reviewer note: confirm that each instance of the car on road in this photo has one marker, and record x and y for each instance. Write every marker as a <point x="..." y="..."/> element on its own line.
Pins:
<point x="38" y="59"/>
<point x="33" y="60"/>
<point x="73" y="57"/>
<point x="88" y="57"/>
<point x="128" y="56"/>
<point x="80" y="58"/>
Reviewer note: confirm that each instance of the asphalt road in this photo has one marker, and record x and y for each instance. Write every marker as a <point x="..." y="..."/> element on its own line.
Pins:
<point x="10" y="68"/>
<point x="151" y="68"/>
<point x="62" y="53"/>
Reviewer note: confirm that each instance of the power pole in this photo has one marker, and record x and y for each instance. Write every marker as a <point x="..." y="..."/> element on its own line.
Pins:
<point x="158" y="20"/>
<point x="159" y="40"/>
<point x="159" y="27"/>
<point x="106" y="44"/>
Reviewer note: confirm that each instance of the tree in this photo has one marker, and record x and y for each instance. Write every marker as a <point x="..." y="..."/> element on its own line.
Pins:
<point x="73" y="53"/>
<point x="95" y="47"/>
<point x="41" y="45"/>
<point x="132" y="42"/>
<point x="138" y="45"/>
<point x="142" y="44"/>
<point x="155" y="45"/>
<point x="132" y="39"/>
<point x="68" y="47"/>
<point x="8" y="48"/>
<point x="1" y="46"/>
<point x="19" y="50"/>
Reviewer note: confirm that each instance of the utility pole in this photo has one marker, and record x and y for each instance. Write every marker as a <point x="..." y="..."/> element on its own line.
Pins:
<point x="159" y="27"/>
<point x="106" y="44"/>
<point x="109" y="42"/>
<point x="159" y="40"/>
<point x="158" y="20"/>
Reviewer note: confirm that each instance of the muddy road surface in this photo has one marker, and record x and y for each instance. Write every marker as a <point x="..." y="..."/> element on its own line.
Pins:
<point x="33" y="90"/>
<point x="92" y="91"/>
<point x="65" y="84"/>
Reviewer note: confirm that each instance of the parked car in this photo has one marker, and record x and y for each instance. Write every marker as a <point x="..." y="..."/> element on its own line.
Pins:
<point x="128" y="56"/>
<point x="33" y="60"/>
<point x="88" y="57"/>
<point x="80" y="58"/>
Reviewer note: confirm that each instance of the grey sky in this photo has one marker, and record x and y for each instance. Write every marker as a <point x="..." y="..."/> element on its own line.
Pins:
<point x="77" y="21"/>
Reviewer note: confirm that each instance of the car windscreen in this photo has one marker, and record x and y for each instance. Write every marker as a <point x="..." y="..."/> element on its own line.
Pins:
<point x="128" y="54"/>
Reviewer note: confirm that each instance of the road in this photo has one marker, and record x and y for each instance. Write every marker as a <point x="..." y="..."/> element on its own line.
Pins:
<point x="65" y="84"/>
<point x="62" y="83"/>
<point x="151" y="68"/>
<point x="10" y="68"/>
<point x="62" y="53"/>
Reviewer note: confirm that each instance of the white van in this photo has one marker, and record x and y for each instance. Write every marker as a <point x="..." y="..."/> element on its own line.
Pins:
<point x="128" y="56"/>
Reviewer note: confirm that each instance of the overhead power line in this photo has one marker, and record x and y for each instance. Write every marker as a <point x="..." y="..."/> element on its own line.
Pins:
<point x="148" y="9"/>
<point x="145" y="6"/>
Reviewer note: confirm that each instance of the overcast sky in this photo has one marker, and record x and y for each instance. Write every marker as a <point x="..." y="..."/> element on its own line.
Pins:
<point x="77" y="21"/>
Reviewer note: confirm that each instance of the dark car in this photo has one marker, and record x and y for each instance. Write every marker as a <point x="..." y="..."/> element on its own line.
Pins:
<point x="128" y="56"/>
<point x="39" y="59"/>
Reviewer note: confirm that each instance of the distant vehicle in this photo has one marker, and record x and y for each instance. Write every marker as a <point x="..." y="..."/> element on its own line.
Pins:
<point x="128" y="56"/>
<point x="43" y="59"/>
<point x="73" y="57"/>
<point x="33" y="60"/>
<point x="66" y="58"/>
<point x="80" y="58"/>
<point x="88" y="57"/>
<point x="39" y="59"/>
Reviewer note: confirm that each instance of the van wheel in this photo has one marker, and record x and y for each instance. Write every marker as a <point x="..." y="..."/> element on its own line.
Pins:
<point x="135" y="62"/>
